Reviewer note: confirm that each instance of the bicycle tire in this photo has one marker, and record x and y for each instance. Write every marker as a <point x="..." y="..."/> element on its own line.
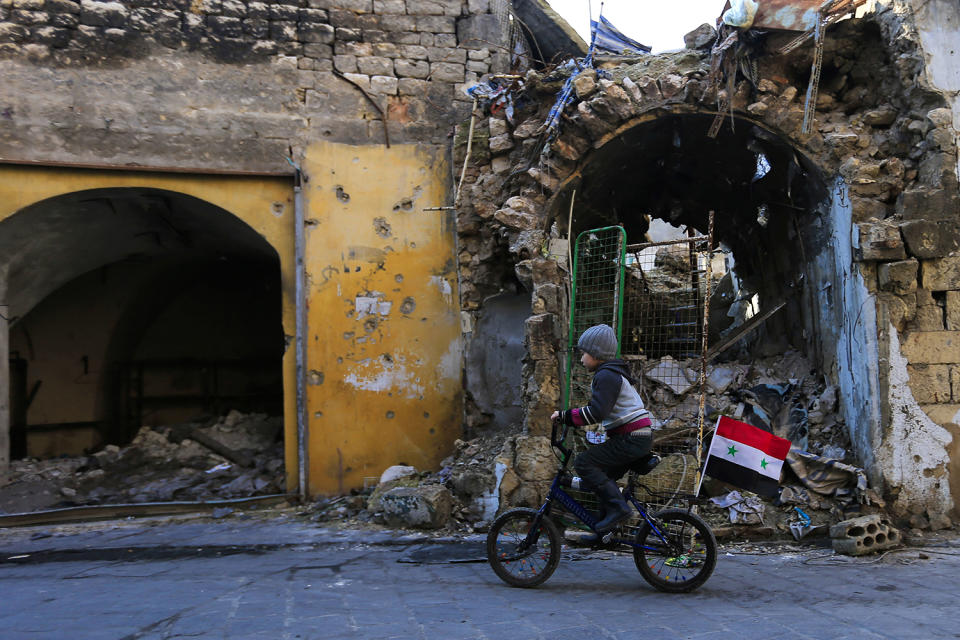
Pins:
<point x="684" y="559"/>
<point x="529" y="567"/>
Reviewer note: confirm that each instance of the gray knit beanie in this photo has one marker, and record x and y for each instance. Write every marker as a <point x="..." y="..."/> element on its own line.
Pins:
<point x="599" y="341"/>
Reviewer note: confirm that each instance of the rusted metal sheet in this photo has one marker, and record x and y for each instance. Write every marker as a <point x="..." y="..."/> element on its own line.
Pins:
<point x="796" y="15"/>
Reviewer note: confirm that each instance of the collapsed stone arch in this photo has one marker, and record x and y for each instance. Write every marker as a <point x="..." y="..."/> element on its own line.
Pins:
<point x="879" y="159"/>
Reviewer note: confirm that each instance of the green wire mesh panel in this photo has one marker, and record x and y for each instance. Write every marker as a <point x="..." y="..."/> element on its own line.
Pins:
<point x="597" y="292"/>
<point x="665" y="287"/>
<point x="653" y="295"/>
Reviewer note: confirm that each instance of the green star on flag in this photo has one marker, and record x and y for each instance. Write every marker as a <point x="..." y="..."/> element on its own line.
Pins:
<point x="763" y="463"/>
<point x="731" y="451"/>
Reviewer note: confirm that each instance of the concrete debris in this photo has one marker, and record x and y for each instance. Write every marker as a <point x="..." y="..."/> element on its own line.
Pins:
<point x="160" y="464"/>
<point x="396" y="472"/>
<point x="427" y="506"/>
<point x="867" y="534"/>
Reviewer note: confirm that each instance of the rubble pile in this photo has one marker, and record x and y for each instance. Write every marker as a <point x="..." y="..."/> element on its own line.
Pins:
<point x="461" y="495"/>
<point x="241" y="456"/>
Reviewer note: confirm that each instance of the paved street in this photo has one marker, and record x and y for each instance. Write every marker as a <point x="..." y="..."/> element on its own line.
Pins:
<point x="281" y="578"/>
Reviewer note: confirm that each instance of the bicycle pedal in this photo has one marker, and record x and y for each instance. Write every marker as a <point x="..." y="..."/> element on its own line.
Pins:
<point x="606" y="538"/>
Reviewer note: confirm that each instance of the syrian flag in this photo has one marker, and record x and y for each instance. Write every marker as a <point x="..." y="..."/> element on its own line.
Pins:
<point x="746" y="457"/>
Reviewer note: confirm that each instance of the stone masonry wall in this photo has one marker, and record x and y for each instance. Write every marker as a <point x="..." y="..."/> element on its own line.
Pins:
<point x="878" y="125"/>
<point x="234" y="83"/>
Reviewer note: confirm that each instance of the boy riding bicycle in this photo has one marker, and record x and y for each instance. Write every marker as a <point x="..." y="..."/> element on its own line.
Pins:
<point x="616" y="405"/>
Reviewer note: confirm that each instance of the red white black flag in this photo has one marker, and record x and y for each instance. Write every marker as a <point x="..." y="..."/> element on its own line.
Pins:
<point x="746" y="457"/>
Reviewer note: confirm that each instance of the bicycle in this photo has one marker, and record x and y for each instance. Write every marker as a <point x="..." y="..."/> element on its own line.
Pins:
<point x="674" y="549"/>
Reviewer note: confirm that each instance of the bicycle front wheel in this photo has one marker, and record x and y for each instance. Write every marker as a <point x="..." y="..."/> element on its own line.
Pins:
<point x="523" y="548"/>
<point x="678" y="558"/>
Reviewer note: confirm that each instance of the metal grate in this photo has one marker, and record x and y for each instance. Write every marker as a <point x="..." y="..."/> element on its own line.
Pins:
<point x="654" y="296"/>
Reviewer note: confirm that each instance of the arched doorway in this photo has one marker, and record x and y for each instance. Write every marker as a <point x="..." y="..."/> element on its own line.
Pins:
<point x="786" y="232"/>
<point x="142" y="306"/>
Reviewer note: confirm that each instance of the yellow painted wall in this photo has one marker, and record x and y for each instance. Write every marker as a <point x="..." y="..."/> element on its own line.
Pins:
<point x="384" y="350"/>
<point x="264" y="203"/>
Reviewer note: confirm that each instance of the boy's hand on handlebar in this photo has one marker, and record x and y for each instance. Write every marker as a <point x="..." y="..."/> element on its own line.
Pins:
<point x="555" y="416"/>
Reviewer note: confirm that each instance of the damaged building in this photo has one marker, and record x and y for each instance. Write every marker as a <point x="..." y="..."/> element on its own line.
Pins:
<point x="359" y="220"/>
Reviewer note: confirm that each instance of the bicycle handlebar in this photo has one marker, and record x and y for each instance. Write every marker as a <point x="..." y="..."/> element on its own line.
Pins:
<point x="558" y="443"/>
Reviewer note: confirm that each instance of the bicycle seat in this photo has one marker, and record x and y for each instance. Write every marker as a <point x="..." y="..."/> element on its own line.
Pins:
<point x="646" y="464"/>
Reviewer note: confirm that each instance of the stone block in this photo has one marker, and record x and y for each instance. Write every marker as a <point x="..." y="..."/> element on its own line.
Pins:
<point x="446" y="54"/>
<point x="517" y="219"/>
<point x="103" y="14"/>
<point x="955" y="382"/>
<point x="406" y="38"/>
<point x="424" y="8"/>
<point x="224" y="26"/>
<point x="384" y="84"/>
<point x="941" y="274"/>
<point x="359" y="79"/>
<point x="863" y="209"/>
<point x="437" y="24"/>
<point x="67" y="20"/>
<point x="412" y="68"/>
<point x="345" y="63"/>
<point x="880" y="240"/>
<point x="375" y="66"/>
<point x="931" y="347"/>
<point x="478" y="30"/>
<point x="283" y="31"/>
<point x="900" y="309"/>
<point x="63" y="6"/>
<point x="585" y="84"/>
<point x="257" y="27"/>
<point x="359" y="49"/>
<point x="882" y="117"/>
<point x="477" y="66"/>
<point x="258" y="10"/>
<point x="928" y="317"/>
<point x="898" y="277"/>
<point x="315" y="32"/>
<point x="317" y="50"/>
<point x="953" y="311"/>
<point x="931" y="238"/>
<point x="412" y="87"/>
<point x="930" y="383"/>
<point x="397" y="7"/>
<point x="52" y="36"/>
<point x="446" y="71"/>
<point x="234" y="8"/>
<point x="147" y="20"/>
<point x="413" y="52"/>
<point x="423" y="507"/>
<point x="283" y="12"/>
<point x="863" y="535"/>
<point x="928" y="204"/>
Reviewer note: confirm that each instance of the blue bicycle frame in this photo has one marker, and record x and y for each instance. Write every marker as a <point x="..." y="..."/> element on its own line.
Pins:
<point x="575" y="508"/>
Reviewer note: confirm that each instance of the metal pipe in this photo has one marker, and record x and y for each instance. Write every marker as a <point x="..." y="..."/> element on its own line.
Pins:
<point x="300" y="339"/>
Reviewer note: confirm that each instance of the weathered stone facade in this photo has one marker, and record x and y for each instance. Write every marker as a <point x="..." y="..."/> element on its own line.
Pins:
<point x="884" y="150"/>
<point x="235" y="84"/>
<point x="357" y="97"/>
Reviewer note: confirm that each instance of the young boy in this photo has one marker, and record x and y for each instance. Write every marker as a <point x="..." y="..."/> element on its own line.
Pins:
<point x="617" y="406"/>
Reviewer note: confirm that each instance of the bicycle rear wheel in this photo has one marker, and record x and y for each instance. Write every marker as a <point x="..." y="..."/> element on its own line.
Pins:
<point x="519" y="559"/>
<point x="681" y="557"/>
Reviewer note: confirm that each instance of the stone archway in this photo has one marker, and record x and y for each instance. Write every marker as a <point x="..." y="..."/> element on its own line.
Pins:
<point x="98" y="268"/>
<point x="881" y="157"/>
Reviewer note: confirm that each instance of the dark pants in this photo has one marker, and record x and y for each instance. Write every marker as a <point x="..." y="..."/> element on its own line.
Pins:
<point x="610" y="460"/>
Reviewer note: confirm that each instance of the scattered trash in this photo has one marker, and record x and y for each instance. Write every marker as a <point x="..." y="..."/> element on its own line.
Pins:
<point x="223" y="466"/>
<point x="743" y="510"/>
<point x="741" y="13"/>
